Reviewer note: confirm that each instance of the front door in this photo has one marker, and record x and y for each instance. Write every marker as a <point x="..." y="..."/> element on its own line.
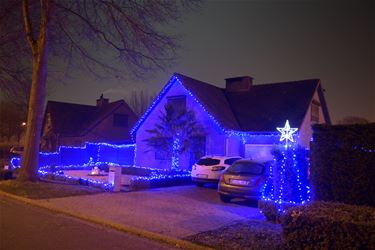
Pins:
<point x="197" y="149"/>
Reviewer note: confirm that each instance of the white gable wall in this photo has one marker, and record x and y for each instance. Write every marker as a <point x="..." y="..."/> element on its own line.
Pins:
<point x="215" y="139"/>
<point x="305" y="131"/>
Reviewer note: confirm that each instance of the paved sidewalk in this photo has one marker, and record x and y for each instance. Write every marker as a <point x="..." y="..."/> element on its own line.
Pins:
<point x="175" y="211"/>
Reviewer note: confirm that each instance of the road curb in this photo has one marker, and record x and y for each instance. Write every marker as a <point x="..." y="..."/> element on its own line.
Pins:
<point x="183" y="244"/>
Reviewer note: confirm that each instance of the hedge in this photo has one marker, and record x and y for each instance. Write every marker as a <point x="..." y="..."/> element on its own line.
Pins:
<point x="343" y="163"/>
<point x="161" y="178"/>
<point x="326" y="225"/>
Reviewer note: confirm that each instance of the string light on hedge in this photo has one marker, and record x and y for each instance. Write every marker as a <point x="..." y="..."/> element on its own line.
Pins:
<point x="99" y="154"/>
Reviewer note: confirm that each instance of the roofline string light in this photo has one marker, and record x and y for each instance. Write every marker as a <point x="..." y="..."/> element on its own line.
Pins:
<point x="175" y="80"/>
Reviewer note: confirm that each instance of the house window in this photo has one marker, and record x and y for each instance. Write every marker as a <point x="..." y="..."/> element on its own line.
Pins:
<point x="177" y="104"/>
<point x="315" y="111"/>
<point x="120" y="120"/>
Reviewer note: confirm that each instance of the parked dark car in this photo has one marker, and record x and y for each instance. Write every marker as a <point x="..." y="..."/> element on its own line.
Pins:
<point x="243" y="179"/>
<point x="16" y="151"/>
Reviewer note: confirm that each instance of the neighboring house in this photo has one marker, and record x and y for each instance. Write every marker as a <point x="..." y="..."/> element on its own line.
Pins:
<point x="240" y="119"/>
<point x="74" y="124"/>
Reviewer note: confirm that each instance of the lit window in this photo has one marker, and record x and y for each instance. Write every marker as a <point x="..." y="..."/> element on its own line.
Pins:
<point x="177" y="104"/>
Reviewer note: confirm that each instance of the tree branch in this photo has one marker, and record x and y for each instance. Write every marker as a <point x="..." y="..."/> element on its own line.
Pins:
<point x="28" y="27"/>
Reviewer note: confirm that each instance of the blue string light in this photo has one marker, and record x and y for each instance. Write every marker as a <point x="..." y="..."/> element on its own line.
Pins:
<point x="153" y="104"/>
<point x="175" y="153"/>
<point x="123" y="154"/>
<point x="287" y="186"/>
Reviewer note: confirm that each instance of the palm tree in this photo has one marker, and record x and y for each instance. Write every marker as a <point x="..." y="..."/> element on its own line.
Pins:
<point x="173" y="133"/>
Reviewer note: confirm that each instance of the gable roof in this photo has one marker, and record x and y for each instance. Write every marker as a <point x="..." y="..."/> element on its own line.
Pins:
<point x="70" y="119"/>
<point x="267" y="106"/>
<point x="260" y="109"/>
<point x="214" y="100"/>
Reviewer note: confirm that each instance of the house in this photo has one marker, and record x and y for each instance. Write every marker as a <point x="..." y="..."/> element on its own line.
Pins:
<point x="240" y="119"/>
<point x="73" y="124"/>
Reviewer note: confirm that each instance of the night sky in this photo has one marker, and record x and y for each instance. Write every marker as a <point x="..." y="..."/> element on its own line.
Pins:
<point x="272" y="41"/>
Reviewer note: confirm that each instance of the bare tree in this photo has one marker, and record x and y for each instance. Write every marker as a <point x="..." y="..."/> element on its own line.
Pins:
<point x="78" y="34"/>
<point x="15" y="70"/>
<point x="139" y="101"/>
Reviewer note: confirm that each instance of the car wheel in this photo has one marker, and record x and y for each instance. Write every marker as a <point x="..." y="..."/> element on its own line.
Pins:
<point x="225" y="198"/>
<point x="199" y="184"/>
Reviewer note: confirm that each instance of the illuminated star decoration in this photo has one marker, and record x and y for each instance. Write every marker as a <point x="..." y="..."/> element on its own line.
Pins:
<point x="287" y="132"/>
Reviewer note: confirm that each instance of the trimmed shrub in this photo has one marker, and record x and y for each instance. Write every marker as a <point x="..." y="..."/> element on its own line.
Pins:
<point x="159" y="181"/>
<point x="270" y="210"/>
<point x="325" y="225"/>
<point x="136" y="171"/>
<point x="343" y="164"/>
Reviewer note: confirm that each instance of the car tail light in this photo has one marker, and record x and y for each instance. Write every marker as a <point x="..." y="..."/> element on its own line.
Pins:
<point x="217" y="168"/>
<point x="222" y="180"/>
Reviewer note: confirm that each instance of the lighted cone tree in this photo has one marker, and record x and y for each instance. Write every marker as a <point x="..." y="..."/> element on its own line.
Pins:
<point x="288" y="181"/>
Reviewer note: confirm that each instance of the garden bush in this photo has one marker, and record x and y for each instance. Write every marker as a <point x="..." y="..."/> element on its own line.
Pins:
<point x="270" y="210"/>
<point x="343" y="163"/>
<point x="325" y="225"/>
<point x="136" y="171"/>
<point x="160" y="180"/>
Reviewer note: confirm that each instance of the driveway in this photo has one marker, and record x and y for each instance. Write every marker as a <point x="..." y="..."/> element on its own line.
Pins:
<point x="174" y="211"/>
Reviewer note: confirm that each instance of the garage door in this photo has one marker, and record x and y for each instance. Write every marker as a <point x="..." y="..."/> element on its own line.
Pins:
<point x="258" y="152"/>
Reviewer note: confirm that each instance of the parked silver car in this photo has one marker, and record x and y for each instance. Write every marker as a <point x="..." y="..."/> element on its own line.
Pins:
<point x="244" y="179"/>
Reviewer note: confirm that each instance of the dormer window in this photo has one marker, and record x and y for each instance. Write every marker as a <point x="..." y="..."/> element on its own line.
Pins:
<point x="315" y="111"/>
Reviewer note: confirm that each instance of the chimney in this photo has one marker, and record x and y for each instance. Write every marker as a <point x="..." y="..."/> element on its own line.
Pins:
<point x="237" y="84"/>
<point x="102" y="101"/>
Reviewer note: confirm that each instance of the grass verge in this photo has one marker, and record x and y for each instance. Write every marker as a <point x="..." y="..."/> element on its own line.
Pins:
<point x="244" y="235"/>
<point x="45" y="189"/>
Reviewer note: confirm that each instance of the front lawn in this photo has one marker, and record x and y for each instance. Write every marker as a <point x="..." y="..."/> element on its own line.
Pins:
<point x="45" y="189"/>
<point x="252" y="234"/>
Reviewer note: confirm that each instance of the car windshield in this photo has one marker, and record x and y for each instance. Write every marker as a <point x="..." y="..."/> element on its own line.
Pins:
<point x="251" y="168"/>
<point x="208" y="161"/>
<point x="230" y="161"/>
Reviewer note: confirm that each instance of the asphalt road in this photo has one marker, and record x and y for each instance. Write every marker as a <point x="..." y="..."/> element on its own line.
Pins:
<point x="26" y="227"/>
